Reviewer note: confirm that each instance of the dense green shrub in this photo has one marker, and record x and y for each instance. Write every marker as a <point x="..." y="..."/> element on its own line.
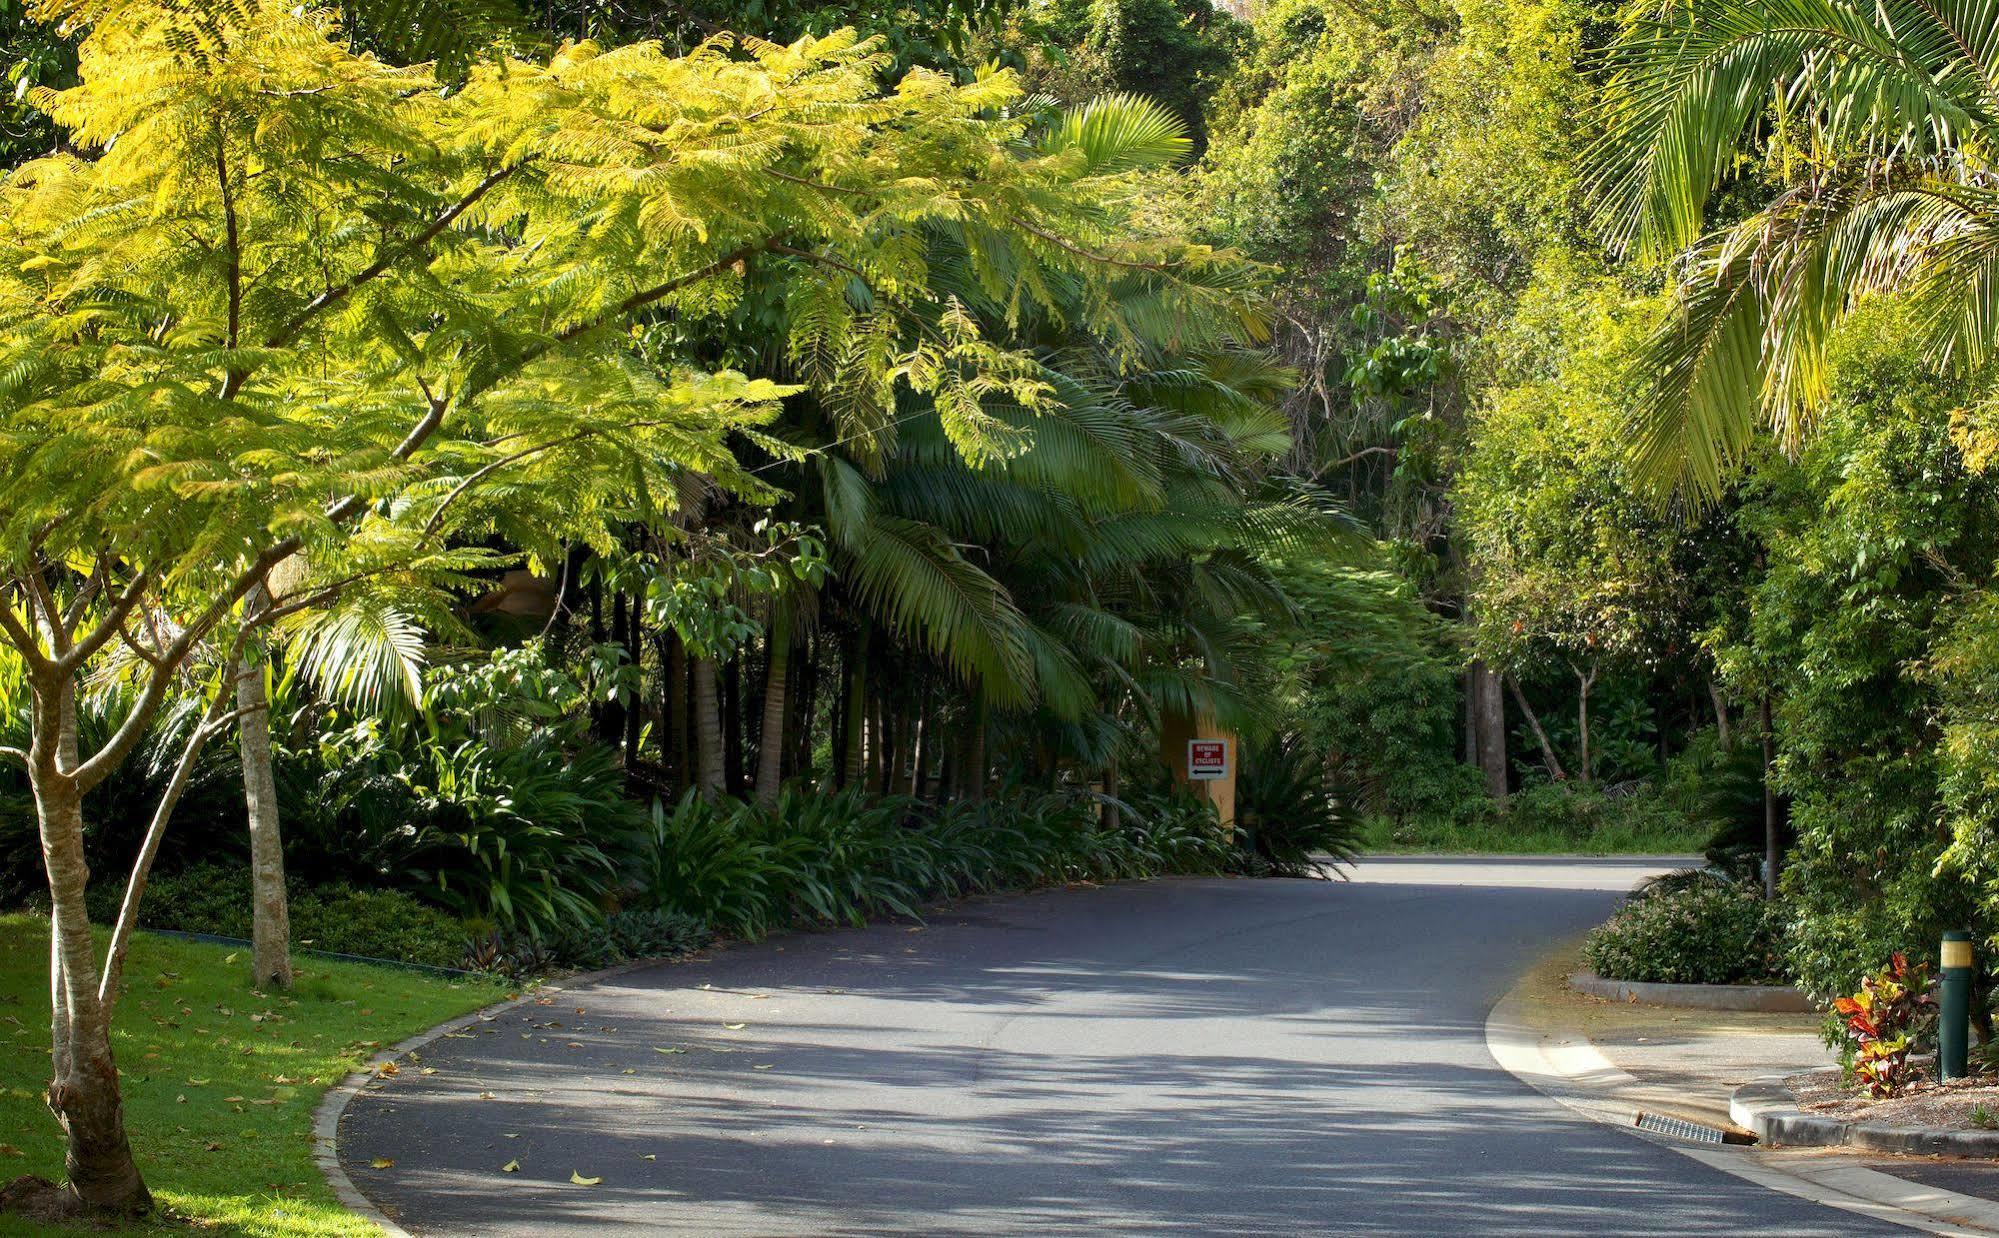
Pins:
<point x="625" y="935"/>
<point x="1706" y="932"/>
<point x="1286" y="814"/>
<point x="749" y="871"/>
<point x="337" y="918"/>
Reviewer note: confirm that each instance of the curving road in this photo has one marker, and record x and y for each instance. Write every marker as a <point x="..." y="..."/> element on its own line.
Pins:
<point x="1181" y="1057"/>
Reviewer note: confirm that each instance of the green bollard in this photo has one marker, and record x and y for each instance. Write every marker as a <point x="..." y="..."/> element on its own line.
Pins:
<point x="1954" y="1019"/>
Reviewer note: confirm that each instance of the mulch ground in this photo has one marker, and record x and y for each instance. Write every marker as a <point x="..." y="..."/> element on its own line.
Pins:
<point x="1925" y="1102"/>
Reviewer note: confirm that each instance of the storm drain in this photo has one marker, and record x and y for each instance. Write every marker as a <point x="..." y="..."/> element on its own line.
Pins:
<point x="1693" y="1132"/>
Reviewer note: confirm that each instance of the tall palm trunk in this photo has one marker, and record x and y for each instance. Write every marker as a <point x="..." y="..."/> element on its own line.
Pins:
<point x="270" y="914"/>
<point x="709" y="771"/>
<point x="777" y="688"/>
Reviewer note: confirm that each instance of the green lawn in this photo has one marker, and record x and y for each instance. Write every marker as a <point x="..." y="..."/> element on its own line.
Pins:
<point x="220" y="1083"/>
<point x="1384" y="836"/>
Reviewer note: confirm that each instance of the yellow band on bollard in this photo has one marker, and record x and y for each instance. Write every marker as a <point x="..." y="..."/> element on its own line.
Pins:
<point x="1957" y="954"/>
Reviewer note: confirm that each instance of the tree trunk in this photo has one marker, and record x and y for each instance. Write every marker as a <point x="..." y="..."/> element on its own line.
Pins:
<point x="709" y="772"/>
<point x="83" y="1089"/>
<point x="1469" y="682"/>
<point x="1771" y="856"/>
<point x="926" y="739"/>
<point x="1111" y="817"/>
<point x="975" y="748"/>
<point x="853" y="769"/>
<point x="635" y="715"/>
<point x="270" y="914"/>
<point x="1548" y="757"/>
<point x="1583" y="685"/>
<point x="1721" y="727"/>
<point x="777" y="685"/>
<point x="732" y="725"/>
<point x="1491" y="703"/>
<point x="675" y="749"/>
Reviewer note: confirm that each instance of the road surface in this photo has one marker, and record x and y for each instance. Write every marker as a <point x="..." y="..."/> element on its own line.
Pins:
<point x="1179" y="1057"/>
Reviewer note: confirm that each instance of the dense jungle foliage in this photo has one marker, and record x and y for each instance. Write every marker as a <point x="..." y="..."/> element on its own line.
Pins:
<point x="605" y="475"/>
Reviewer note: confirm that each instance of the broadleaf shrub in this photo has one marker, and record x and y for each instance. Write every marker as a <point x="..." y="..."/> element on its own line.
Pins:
<point x="1881" y="1022"/>
<point x="1704" y="933"/>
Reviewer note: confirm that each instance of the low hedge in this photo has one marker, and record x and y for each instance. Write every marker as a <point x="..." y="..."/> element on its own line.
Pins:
<point x="341" y="919"/>
<point x="1708" y="932"/>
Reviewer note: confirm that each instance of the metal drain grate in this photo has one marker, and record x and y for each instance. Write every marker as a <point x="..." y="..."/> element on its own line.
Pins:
<point x="1694" y="1132"/>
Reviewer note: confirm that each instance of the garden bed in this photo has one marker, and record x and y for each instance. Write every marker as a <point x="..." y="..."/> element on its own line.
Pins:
<point x="1925" y="1103"/>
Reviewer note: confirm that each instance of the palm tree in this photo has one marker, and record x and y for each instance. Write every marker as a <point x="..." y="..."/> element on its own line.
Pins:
<point x="1884" y="115"/>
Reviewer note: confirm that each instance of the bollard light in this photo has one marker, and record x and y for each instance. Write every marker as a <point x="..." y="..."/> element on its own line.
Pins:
<point x="1954" y="1019"/>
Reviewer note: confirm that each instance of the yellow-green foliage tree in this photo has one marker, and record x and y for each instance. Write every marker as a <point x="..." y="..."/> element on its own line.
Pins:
<point x="283" y="319"/>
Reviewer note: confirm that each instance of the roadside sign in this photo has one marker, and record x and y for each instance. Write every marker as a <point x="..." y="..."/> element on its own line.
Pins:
<point x="1207" y="759"/>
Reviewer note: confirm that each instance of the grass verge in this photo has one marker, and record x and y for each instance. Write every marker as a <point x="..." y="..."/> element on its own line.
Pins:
<point x="220" y="1082"/>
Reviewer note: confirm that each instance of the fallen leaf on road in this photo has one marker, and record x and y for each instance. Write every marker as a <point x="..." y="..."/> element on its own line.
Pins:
<point x="511" y="1135"/>
<point x="735" y="1027"/>
<point x="485" y="1096"/>
<point x="383" y="1162"/>
<point x="576" y="1176"/>
<point x="388" y="1068"/>
<point x="765" y="1066"/>
<point x="657" y="1049"/>
<point x="648" y="1156"/>
<point x="511" y="1167"/>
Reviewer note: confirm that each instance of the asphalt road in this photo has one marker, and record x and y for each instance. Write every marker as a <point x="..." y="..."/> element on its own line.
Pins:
<point x="1181" y="1057"/>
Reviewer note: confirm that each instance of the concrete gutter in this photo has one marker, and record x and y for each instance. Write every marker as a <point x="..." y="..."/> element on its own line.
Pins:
<point x="1761" y="998"/>
<point x="1770" y="1110"/>
<point x="1564" y="1066"/>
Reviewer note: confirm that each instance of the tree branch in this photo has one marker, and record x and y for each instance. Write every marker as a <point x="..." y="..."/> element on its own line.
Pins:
<point x="339" y="292"/>
<point x="129" y="732"/>
<point x="114" y="618"/>
<point x="639" y="300"/>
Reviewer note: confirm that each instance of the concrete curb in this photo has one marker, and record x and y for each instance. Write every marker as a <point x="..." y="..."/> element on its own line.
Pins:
<point x="1761" y="998"/>
<point x="333" y="1105"/>
<point x="1771" y="1110"/>
<point x="1565" y="1067"/>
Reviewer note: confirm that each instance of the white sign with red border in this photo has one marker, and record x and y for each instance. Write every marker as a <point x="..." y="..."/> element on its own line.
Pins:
<point x="1207" y="759"/>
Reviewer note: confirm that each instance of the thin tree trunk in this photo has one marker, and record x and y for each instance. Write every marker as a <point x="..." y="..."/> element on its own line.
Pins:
<point x="975" y="748"/>
<point x="926" y="739"/>
<point x="83" y="1088"/>
<point x="804" y="715"/>
<point x="1111" y="816"/>
<point x="635" y="715"/>
<point x="777" y="686"/>
<point x="1491" y="730"/>
<point x="732" y="725"/>
<point x="270" y="913"/>
<point x="674" y="748"/>
<point x="709" y="771"/>
<point x="1548" y="757"/>
<point x="1583" y="685"/>
<point x="854" y="750"/>
<point x="1721" y="726"/>
<point x="1771" y="854"/>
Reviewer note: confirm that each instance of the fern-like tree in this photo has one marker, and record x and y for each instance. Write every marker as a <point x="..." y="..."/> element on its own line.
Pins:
<point x="1874" y="122"/>
<point x="281" y="306"/>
